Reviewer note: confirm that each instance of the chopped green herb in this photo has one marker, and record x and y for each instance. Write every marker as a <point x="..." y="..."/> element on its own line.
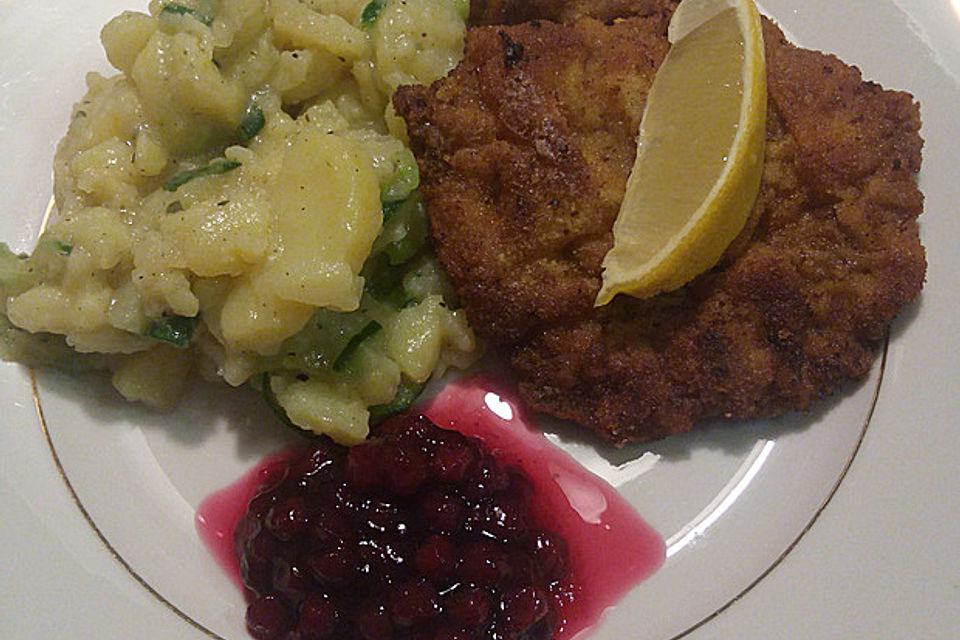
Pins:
<point x="368" y="330"/>
<point x="407" y="392"/>
<point x="63" y="248"/>
<point x="251" y="123"/>
<point x="174" y="207"/>
<point x="174" y="330"/>
<point x="371" y="11"/>
<point x="216" y="166"/>
<point x="180" y="10"/>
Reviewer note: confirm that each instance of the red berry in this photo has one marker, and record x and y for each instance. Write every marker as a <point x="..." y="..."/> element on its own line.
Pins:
<point x="550" y="553"/>
<point x="442" y="512"/>
<point x="318" y="618"/>
<point x="484" y="563"/>
<point x="291" y="578"/>
<point x="467" y="607"/>
<point x="524" y="607"/>
<point x="365" y="465"/>
<point x="452" y="458"/>
<point x="405" y="468"/>
<point x="287" y="518"/>
<point x="328" y="528"/>
<point x="437" y="559"/>
<point x="503" y="516"/>
<point x="372" y="622"/>
<point x="333" y="567"/>
<point x="413" y="603"/>
<point x="267" y="618"/>
<point x="261" y="503"/>
<point x="486" y="479"/>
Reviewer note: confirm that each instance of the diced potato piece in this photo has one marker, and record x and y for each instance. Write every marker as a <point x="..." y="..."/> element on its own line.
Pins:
<point x="254" y="319"/>
<point x="165" y="291"/>
<point x="220" y="238"/>
<point x="406" y="53"/>
<point x="149" y="157"/>
<point x="324" y="409"/>
<point x="105" y="174"/>
<point x="297" y="26"/>
<point x="237" y="367"/>
<point x="126" y="312"/>
<point x="420" y="333"/>
<point x="375" y="376"/>
<point x="125" y="36"/>
<point x="212" y="294"/>
<point x="156" y="377"/>
<point x="396" y="126"/>
<point x="47" y="308"/>
<point x="160" y="278"/>
<point x="305" y="73"/>
<point x="238" y="22"/>
<point x="326" y="117"/>
<point x="192" y="105"/>
<point x="371" y="100"/>
<point x="394" y="164"/>
<point x="111" y="109"/>
<point x="108" y="340"/>
<point x="79" y="267"/>
<point x="253" y="64"/>
<point x="327" y="204"/>
<point x="349" y="9"/>
<point x="98" y="231"/>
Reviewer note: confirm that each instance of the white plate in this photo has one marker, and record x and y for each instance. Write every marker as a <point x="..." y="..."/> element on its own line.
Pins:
<point x="740" y="508"/>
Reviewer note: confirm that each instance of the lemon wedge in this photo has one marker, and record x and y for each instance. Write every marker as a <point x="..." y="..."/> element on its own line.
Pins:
<point x="699" y="152"/>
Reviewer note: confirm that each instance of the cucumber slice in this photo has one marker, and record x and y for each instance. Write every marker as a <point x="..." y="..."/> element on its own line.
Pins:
<point x="269" y="397"/>
<point x="407" y="393"/>
<point x="368" y="330"/>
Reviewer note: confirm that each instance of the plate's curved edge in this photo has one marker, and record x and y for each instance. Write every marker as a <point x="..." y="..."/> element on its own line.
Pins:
<point x="816" y="515"/>
<point x="706" y="620"/>
<point x="93" y="525"/>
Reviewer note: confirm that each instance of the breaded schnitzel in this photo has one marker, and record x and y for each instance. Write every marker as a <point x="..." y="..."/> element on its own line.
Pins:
<point x="498" y="12"/>
<point x="524" y="150"/>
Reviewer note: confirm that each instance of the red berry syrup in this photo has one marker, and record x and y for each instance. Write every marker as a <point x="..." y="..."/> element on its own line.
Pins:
<point x="220" y="513"/>
<point x="608" y="547"/>
<point x="611" y="549"/>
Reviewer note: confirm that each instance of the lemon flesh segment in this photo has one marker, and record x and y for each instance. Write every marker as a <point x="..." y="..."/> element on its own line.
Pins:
<point x="699" y="152"/>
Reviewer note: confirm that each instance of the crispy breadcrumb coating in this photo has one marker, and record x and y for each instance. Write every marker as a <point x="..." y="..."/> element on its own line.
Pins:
<point x="524" y="152"/>
<point x="499" y="12"/>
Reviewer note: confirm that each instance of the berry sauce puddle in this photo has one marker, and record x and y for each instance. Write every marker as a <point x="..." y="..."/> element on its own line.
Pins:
<point x="611" y="549"/>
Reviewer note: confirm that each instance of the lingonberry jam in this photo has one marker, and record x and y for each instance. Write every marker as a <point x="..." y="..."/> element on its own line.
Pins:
<point x="484" y="531"/>
<point x="417" y="533"/>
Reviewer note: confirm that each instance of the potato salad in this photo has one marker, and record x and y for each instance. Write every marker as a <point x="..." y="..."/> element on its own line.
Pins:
<point x="239" y="201"/>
